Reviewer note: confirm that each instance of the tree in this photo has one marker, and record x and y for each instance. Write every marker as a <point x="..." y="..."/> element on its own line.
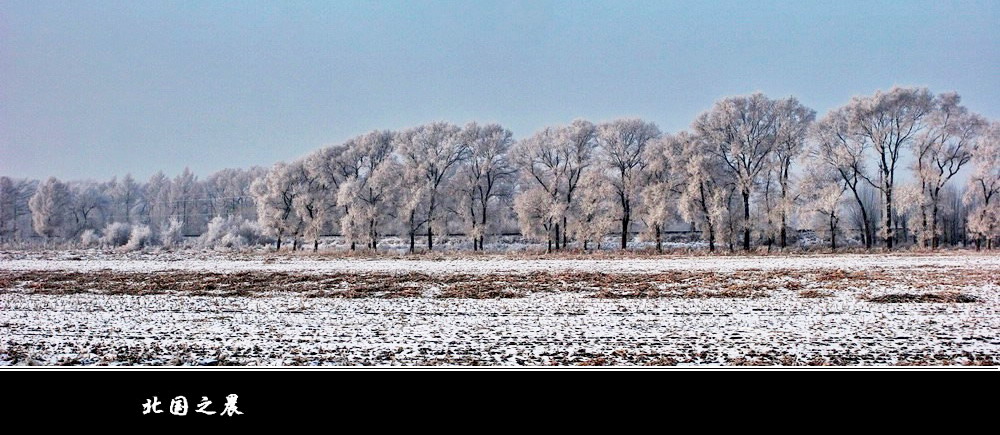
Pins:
<point x="368" y="193"/>
<point x="889" y="121"/>
<point x="484" y="176"/>
<point x="742" y="133"/>
<point x="595" y="210"/>
<point x="822" y="191"/>
<point x="88" y="205"/>
<point x="946" y="145"/>
<point x="431" y="154"/>
<point x="792" y="121"/>
<point x="156" y="210"/>
<point x="49" y="206"/>
<point x="839" y="148"/>
<point x="310" y="203"/>
<point x="535" y="211"/>
<point x="125" y="196"/>
<point x="275" y="196"/>
<point x="14" y="196"/>
<point x="228" y="192"/>
<point x="703" y="183"/>
<point x="579" y="141"/>
<point x="184" y="199"/>
<point x="334" y="166"/>
<point x="660" y="187"/>
<point x="623" y="143"/>
<point x="983" y="192"/>
<point x="555" y="160"/>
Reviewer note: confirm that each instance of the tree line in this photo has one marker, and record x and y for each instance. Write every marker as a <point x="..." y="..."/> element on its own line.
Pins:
<point x="750" y="172"/>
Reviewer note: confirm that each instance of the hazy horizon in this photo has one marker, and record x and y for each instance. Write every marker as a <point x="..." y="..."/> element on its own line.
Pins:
<point x="93" y="90"/>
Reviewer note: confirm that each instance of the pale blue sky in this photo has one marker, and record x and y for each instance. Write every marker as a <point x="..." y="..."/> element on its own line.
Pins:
<point x="97" y="88"/>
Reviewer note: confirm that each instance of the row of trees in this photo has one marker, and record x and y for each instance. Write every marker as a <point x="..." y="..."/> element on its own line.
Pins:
<point x="751" y="170"/>
<point x="58" y="210"/>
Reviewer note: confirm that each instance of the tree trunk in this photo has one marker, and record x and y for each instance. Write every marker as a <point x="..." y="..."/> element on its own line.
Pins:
<point x="934" y="220"/>
<point x="783" y="236"/>
<point x="889" y="233"/>
<point x="659" y="240"/>
<point x="833" y="232"/>
<point x="315" y="245"/>
<point x="565" y="236"/>
<point x="784" y="193"/>
<point x="277" y="246"/>
<point x="923" y="225"/>
<point x="625" y="219"/>
<point x="711" y="237"/>
<point x="557" y="236"/>
<point x="866" y="236"/>
<point x="746" y="220"/>
<point x="413" y="236"/>
<point x="430" y="237"/>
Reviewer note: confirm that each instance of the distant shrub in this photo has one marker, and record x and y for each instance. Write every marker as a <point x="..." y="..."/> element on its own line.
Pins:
<point x="171" y="236"/>
<point x="141" y="237"/>
<point x="232" y="233"/>
<point x="116" y="234"/>
<point x="89" y="239"/>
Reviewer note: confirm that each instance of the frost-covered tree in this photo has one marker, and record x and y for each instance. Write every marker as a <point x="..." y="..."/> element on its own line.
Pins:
<point x="310" y="203"/>
<point x="536" y="214"/>
<point x="543" y="169"/>
<point x="623" y="143"/>
<point x="942" y="149"/>
<point x="555" y="160"/>
<point x="821" y="192"/>
<point x="156" y="210"/>
<point x="431" y="154"/>
<point x="88" y="205"/>
<point x="838" y="147"/>
<point x="332" y="167"/>
<point x="579" y="143"/>
<point x="49" y="207"/>
<point x="596" y="210"/>
<point x="367" y="193"/>
<point x="792" y="121"/>
<point x="125" y="196"/>
<point x="704" y="184"/>
<point x="484" y="176"/>
<point x="186" y="201"/>
<point x="227" y="192"/>
<point x="14" y="196"/>
<point x="660" y="187"/>
<point x="275" y="197"/>
<point x="889" y="122"/>
<point x="983" y="191"/>
<point x="742" y="132"/>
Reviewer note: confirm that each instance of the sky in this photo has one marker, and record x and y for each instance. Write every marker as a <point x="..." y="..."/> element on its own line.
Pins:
<point x="100" y="88"/>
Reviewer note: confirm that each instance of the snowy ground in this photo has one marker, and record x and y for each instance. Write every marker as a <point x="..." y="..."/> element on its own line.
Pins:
<point x="179" y="308"/>
<point x="209" y="261"/>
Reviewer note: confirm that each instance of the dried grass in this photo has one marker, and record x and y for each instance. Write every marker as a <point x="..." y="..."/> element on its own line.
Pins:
<point x="941" y="297"/>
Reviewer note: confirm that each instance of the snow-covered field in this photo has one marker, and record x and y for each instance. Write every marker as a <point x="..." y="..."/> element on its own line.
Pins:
<point x="91" y="261"/>
<point x="819" y="309"/>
